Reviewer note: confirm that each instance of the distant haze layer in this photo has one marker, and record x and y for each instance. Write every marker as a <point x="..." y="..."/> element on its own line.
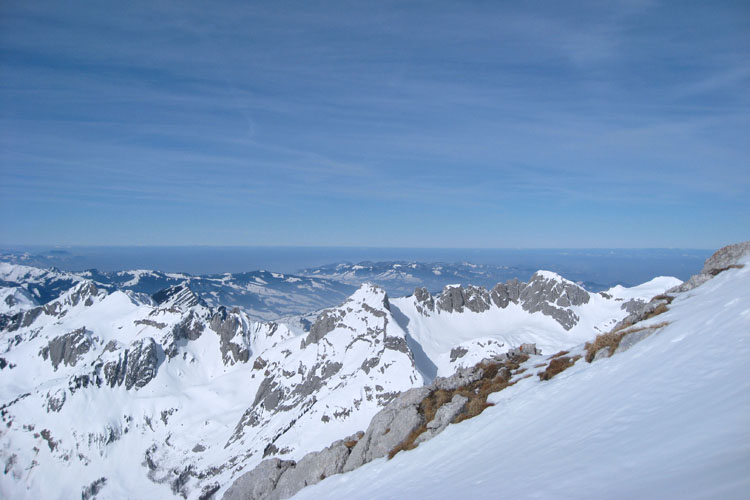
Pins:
<point x="625" y="266"/>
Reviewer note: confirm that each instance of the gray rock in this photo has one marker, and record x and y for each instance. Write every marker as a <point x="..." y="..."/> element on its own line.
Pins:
<point x="325" y="322"/>
<point x="601" y="353"/>
<point x="476" y="299"/>
<point x="451" y="299"/>
<point x="514" y="289"/>
<point x="632" y="338"/>
<point x="633" y="306"/>
<point x="142" y="363"/>
<point x="726" y="257"/>
<point x="641" y="313"/>
<point x="552" y="298"/>
<point x="723" y="259"/>
<point x="458" y="352"/>
<point x="311" y="469"/>
<point x="189" y="328"/>
<point x="445" y="415"/>
<point x="500" y="296"/>
<point x="135" y="367"/>
<point x="462" y="377"/>
<point x="228" y="326"/>
<point x="389" y="427"/>
<point x="68" y="348"/>
<point x="177" y="296"/>
<point x="258" y="483"/>
<point x="424" y="300"/>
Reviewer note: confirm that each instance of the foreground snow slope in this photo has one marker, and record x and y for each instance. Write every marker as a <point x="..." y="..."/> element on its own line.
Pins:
<point x="670" y="418"/>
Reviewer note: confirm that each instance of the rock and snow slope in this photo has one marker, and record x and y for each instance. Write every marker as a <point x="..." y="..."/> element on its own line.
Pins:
<point x="136" y="396"/>
<point x="262" y="295"/>
<point x="666" y="419"/>
<point x="462" y="325"/>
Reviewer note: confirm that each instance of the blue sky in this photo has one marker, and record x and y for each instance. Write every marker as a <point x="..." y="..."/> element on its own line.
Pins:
<point x="415" y="124"/>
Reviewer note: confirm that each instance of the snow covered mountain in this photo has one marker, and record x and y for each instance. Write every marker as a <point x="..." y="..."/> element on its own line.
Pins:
<point x="262" y="295"/>
<point x="123" y="394"/>
<point x="664" y="417"/>
<point x="461" y="325"/>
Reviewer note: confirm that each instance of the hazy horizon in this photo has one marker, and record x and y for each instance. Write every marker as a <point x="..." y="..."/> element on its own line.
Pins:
<point x="602" y="266"/>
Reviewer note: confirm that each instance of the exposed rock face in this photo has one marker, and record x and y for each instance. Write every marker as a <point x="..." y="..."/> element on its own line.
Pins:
<point x="443" y="417"/>
<point x="325" y="322"/>
<point x="189" y="328"/>
<point x="232" y="343"/>
<point x="178" y="297"/>
<point x="552" y="296"/>
<point x="276" y="479"/>
<point x="455" y="298"/>
<point x="388" y="427"/>
<point x="546" y="292"/>
<point x="83" y="293"/>
<point x="259" y="482"/>
<point x="313" y="468"/>
<point x="424" y="300"/>
<point x="630" y="339"/>
<point x="724" y="258"/>
<point x="68" y="348"/>
<point x="142" y="363"/>
<point x="134" y="367"/>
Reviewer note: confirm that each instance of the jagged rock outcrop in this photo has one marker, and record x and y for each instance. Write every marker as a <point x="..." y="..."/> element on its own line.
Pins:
<point x="134" y="366"/>
<point x="178" y="297"/>
<point x="232" y="343"/>
<point x="445" y="415"/>
<point x="723" y="259"/>
<point x="388" y="427"/>
<point x="84" y="293"/>
<point x="545" y="292"/>
<point x="190" y="327"/>
<point x="259" y="482"/>
<point x="69" y="348"/>
<point x="551" y="295"/>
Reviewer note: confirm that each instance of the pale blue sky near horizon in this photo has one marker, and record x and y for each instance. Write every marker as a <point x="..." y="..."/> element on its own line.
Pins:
<point x="376" y="124"/>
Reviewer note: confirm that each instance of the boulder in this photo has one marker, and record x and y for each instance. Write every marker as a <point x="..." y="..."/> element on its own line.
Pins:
<point x="389" y="427"/>
<point x="445" y="415"/>
<point x="258" y="483"/>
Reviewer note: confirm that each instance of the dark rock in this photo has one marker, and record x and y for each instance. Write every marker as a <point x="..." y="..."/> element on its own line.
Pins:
<point x="90" y="491"/>
<point x="324" y="323"/>
<point x="458" y="352"/>
<point x="229" y="326"/>
<point x="68" y="348"/>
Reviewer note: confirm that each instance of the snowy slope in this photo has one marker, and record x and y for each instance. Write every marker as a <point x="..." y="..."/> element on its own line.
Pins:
<point x="666" y="419"/>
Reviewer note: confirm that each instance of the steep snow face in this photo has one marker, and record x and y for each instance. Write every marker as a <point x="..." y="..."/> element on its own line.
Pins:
<point x="454" y="328"/>
<point x="665" y="419"/>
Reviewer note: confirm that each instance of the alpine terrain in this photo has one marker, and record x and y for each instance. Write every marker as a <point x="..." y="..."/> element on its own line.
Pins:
<point x="143" y="384"/>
